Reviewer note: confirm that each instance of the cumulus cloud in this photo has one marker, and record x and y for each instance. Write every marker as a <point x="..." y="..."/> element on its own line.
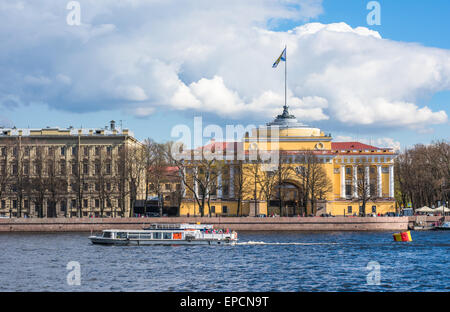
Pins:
<point x="215" y="57"/>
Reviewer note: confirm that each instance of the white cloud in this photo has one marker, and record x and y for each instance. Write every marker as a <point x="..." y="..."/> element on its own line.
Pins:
<point x="216" y="57"/>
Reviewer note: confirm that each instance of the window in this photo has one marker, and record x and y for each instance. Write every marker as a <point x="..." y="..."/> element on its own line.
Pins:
<point x="74" y="150"/>
<point x="3" y="151"/>
<point x="156" y="235"/>
<point x="213" y="209"/>
<point x="225" y="190"/>
<point x="74" y="168"/>
<point x="109" y="150"/>
<point x="374" y="209"/>
<point x="63" y="168"/>
<point x="121" y="235"/>
<point x="108" y="168"/>
<point x="349" y="209"/>
<point x="167" y="235"/>
<point x="385" y="169"/>
<point x="373" y="188"/>
<point x="3" y="204"/>
<point x="26" y="169"/>
<point x="348" y="170"/>
<point x="86" y="151"/>
<point x="27" y="151"/>
<point x="14" y="169"/>
<point x="85" y="203"/>
<point x="85" y="168"/>
<point x="85" y="186"/>
<point x="97" y="203"/>
<point x="97" y="151"/>
<point x="73" y="203"/>
<point x="63" y="206"/>
<point x="14" y="204"/>
<point x="97" y="187"/>
<point x="348" y="189"/>
<point x="108" y="186"/>
<point x="63" y="150"/>
<point x="26" y="204"/>
<point x="224" y="209"/>
<point x="97" y="168"/>
<point x="167" y="186"/>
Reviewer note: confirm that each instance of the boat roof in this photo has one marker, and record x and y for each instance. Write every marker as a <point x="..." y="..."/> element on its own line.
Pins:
<point x="168" y="227"/>
<point x="179" y="226"/>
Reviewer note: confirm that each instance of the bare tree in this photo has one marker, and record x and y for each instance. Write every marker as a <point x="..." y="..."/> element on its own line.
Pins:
<point x="56" y="182"/>
<point x="5" y="173"/>
<point x="38" y="188"/>
<point x="314" y="182"/>
<point x="156" y="170"/>
<point x="366" y="185"/>
<point x="423" y="174"/>
<point x="135" y="167"/>
<point x="198" y="176"/>
<point x="80" y="175"/>
<point x="103" y="180"/>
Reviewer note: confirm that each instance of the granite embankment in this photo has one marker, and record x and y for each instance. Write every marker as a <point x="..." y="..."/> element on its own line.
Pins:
<point x="234" y="223"/>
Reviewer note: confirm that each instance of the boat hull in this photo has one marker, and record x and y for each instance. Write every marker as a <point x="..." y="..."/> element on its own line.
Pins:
<point x="143" y="242"/>
<point x="441" y="228"/>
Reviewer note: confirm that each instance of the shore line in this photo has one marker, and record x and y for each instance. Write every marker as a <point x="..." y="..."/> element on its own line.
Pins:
<point x="234" y="223"/>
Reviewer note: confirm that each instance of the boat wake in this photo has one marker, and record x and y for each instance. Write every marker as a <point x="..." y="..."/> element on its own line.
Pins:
<point x="282" y="243"/>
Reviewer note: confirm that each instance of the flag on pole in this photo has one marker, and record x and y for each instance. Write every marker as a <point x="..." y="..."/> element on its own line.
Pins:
<point x="281" y="58"/>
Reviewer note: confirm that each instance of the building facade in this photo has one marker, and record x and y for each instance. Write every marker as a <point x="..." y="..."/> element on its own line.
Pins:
<point x="55" y="172"/>
<point x="344" y="178"/>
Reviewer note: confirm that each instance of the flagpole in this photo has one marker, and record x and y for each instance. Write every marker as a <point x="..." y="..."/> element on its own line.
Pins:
<point x="285" y="76"/>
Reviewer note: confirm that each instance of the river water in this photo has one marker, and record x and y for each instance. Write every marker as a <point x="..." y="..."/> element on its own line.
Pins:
<point x="262" y="261"/>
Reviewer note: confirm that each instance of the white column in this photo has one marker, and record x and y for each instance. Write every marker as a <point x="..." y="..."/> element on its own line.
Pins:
<point x="219" y="184"/>
<point x="355" y="181"/>
<point x="368" y="180"/>
<point x="231" y="181"/>
<point x="343" y="181"/>
<point x="379" y="181"/>
<point x="391" y="181"/>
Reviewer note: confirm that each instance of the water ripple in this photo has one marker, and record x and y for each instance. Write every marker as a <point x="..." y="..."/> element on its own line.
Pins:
<point x="261" y="261"/>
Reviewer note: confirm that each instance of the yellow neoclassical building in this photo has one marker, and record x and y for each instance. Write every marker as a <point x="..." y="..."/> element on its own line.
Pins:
<point x="290" y="169"/>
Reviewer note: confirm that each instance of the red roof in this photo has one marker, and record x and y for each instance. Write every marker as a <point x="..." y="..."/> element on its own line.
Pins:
<point x="224" y="146"/>
<point x="353" y="146"/>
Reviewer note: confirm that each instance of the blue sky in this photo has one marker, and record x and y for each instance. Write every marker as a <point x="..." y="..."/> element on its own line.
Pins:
<point x="124" y="66"/>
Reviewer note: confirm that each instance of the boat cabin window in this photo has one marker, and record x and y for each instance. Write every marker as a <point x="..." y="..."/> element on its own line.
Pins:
<point x="107" y="234"/>
<point x="156" y="235"/>
<point x="167" y="235"/>
<point x="121" y="235"/>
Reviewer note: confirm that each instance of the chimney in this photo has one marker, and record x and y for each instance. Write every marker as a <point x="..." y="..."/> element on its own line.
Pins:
<point x="113" y="124"/>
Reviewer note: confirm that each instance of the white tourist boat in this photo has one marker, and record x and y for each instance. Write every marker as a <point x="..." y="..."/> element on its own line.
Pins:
<point x="168" y="234"/>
